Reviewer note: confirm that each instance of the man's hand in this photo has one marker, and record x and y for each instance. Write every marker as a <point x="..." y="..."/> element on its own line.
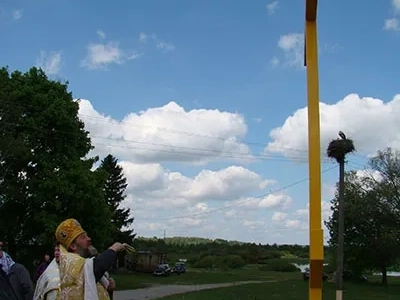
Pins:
<point x="111" y="285"/>
<point x="117" y="247"/>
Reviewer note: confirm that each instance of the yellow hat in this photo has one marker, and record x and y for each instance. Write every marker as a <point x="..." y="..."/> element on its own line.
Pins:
<point x="68" y="231"/>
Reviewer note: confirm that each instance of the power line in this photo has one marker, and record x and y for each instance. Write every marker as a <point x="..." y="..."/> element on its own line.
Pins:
<point x="165" y="148"/>
<point x="243" y="201"/>
<point x="137" y="124"/>
<point x="302" y="158"/>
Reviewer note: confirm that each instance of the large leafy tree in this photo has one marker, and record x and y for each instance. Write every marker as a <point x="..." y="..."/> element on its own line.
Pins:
<point x="115" y="193"/>
<point x="371" y="223"/>
<point x="45" y="176"/>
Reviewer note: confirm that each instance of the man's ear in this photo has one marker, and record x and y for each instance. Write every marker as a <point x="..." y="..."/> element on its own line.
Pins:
<point x="72" y="247"/>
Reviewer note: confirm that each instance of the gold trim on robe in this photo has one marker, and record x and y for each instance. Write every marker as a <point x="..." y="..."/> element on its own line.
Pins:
<point x="77" y="278"/>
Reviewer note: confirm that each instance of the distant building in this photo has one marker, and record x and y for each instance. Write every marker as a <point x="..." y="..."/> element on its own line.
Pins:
<point x="147" y="261"/>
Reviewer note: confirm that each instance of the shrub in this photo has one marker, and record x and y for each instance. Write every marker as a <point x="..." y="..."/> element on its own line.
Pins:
<point x="231" y="262"/>
<point x="205" y="262"/>
<point x="222" y="262"/>
<point x="278" y="265"/>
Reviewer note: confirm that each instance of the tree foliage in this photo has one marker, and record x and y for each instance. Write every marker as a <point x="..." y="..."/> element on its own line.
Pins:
<point x="45" y="175"/>
<point x="208" y="253"/>
<point x="114" y="193"/>
<point x="372" y="215"/>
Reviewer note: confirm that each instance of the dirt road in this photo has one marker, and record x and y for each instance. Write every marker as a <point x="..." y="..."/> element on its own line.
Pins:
<point x="156" y="292"/>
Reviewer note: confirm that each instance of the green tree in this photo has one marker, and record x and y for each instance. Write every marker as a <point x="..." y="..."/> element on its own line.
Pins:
<point x="44" y="170"/>
<point x="371" y="223"/>
<point x="114" y="193"/>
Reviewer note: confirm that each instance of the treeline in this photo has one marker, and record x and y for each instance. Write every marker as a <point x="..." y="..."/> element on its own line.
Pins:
<point x="207" y="253"/>
<point x="372" y="216"/>
<point x="46" y="174"/>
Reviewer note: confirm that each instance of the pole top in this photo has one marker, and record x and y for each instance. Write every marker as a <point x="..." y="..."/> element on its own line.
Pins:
<point x="311" y="16"/>
<point x="311" y="10"/>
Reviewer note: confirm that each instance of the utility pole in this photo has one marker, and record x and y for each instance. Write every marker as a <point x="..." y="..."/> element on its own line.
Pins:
<point x="340" y="260"/>
<point x="338" y="149"/>
<point x="314" y="152"/>
<point x="165" y="235"/>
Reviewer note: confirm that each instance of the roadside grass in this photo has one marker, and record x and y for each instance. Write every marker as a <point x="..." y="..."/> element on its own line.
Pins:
<point x="291" y="290"/>
<point x="196" y="276"/>
<point x="289" y="286"/>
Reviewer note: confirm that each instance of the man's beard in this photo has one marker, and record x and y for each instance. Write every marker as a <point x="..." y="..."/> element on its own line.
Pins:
<point x="90" y="251"/>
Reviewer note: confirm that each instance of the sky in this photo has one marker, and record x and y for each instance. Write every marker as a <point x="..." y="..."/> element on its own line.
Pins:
<point x="204" y="102"/>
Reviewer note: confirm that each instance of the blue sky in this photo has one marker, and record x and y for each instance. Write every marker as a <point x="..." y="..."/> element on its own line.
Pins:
<point x="242" y="58"/>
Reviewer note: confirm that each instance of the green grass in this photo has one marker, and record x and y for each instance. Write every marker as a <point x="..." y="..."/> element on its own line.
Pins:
<point x="194" y="276"/>
<point x="197" y="276"/>
<point x="290" y="290"/>
<point x="290" y="286"/>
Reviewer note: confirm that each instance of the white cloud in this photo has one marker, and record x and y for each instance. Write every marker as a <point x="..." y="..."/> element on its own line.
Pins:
<point x="279" y="216"/>
<point x="367" y="173"/>
<point x="270" y="201"/>
<point x="300" y="218"/>
<point x="101" y="34"/>
<point x="328" y="191"/>
<point x="276" y="200"/>
<point x="143" y="37"/>
<point x="292" y="45"/>
<point x="192" y="199"/>
<point x="396" y="5"/>
<point x="165" y="46"/>
<point x="183" y="200"/>
<point x="392" y="24"/>
<point x="372" y="176"/>
<point x="159" y="43"/>
<point x="271" y="7"/>
<point x="295" y="224"/>
<point x="348" y="115"/>
<point x="100" y="55"/>
<point x="168" y="133"/>
<point x="252" y="225"/>
<point x="50" y="62"/>
<point x="274" y="61"/>
<point x="225" y="184"/>
<point x="16" y="14"/>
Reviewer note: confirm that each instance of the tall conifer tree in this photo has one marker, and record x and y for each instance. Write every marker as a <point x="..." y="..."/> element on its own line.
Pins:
<point x="114" y="192"/>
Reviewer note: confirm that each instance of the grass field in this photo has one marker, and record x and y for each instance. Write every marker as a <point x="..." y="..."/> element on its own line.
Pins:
<point x="289" y="286"/>
<point x="290" y="290"/>
<point x="193" y="276"/>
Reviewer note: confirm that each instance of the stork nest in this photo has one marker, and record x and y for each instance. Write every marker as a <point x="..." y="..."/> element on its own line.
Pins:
<point x="339" y="148"/>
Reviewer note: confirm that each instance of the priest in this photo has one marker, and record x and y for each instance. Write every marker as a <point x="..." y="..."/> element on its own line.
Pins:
<point x="82" y="276"/>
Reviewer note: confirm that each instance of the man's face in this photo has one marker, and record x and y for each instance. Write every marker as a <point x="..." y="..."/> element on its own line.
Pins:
<point x="57" y="253"/>
<point x="47" y="258"/>
<point x="81" y="245"/>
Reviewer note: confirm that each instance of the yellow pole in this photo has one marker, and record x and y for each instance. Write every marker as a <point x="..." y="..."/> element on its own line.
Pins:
<point x="314" y="154"/>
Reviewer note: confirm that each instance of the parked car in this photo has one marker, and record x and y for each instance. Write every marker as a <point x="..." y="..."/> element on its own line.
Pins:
<point x="179" y="268"/>
<point x="306" y="275"/>
<point x="162" y="270"/>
